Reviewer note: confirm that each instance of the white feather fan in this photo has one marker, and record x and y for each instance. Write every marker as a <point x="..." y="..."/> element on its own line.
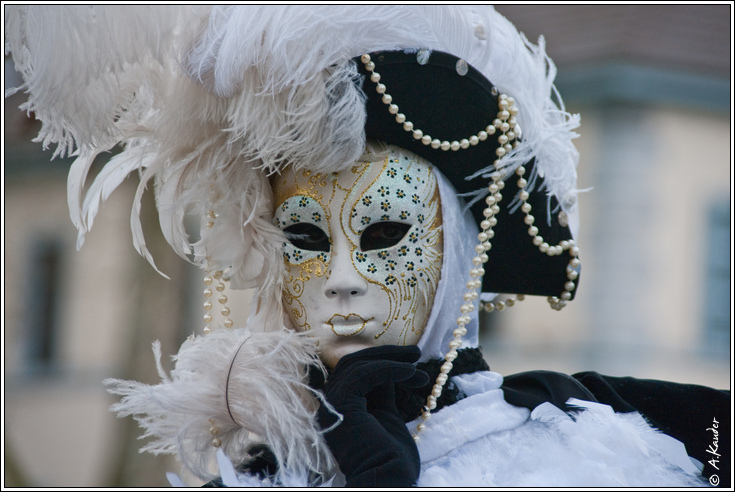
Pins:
<point x="252" y="386"/>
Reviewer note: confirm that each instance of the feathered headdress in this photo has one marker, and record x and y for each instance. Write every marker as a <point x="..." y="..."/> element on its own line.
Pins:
<point x="207" y="101"/>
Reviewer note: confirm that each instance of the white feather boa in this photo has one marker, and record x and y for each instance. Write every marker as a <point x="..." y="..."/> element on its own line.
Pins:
<point x="251" y="386"/>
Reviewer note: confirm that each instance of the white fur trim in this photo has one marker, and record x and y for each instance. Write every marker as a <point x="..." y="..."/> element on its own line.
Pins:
<point x="595" y="448"/>
<point x="467" y="420"/>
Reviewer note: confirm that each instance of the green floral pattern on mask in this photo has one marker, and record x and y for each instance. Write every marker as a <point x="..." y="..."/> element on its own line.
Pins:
<point x="405" y="192"/>
<point x="301" y="209"/>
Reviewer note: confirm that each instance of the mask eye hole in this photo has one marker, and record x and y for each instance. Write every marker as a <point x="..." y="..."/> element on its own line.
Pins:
<point x="307" y="236"/>
<point x="383" y="235"/>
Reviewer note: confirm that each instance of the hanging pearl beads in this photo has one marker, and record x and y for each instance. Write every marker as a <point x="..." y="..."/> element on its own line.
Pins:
<point x="207" y="303"/>
<point x="427" y="140"/>
<point x="511" y="301"/>
<point x="219" y="287"/>
<point x="221" y="299"/>
<point x="556" y="303"/>
<point x="214" y="432"/>
<point x="477" y="271"/>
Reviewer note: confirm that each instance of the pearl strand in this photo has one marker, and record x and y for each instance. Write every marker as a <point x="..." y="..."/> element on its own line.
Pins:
<point x="489" y="306"/>
<point x="569" y="245"/>
<point x="222" y="299"/>
<point x="207" y="303"/>
<point x="503" y="120"/>
<point x="478" y="261"/>
<point x="219" y="287"/>
<point x="214" y="431"/>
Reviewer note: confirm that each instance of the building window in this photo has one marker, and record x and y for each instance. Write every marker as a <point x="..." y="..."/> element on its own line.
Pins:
<point x="42" y="308"/>
<point x="717" y="295"/>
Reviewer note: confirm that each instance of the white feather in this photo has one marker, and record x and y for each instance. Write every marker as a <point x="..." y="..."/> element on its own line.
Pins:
<point x="74" y="187"/>
<point x="263" y="378"/>
<point x="109" y="178"/>
<point x="79" y="64"/>
<point x="135" y="224"/>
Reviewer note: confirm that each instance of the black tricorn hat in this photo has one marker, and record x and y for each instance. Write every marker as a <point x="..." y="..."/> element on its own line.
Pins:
<point x="444" y="96"/>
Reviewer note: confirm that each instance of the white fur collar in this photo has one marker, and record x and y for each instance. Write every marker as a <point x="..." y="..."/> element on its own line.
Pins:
<point x="484" y="441"/>
<point x="484" y="412"/>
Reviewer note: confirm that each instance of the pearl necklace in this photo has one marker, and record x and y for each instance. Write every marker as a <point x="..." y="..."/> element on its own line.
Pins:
<point x="478" y="271"/>
<point x="209" y="279"/>
<point x="507" y="140"/>
<point x="510" y="131"/>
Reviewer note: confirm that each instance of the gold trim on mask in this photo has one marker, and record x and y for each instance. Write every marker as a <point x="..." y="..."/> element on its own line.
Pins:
<point x="305" y="184"/>
<point x="400" y="289"/>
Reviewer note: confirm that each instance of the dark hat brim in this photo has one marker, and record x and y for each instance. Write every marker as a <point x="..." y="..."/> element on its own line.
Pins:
<point x="449" y="106"/>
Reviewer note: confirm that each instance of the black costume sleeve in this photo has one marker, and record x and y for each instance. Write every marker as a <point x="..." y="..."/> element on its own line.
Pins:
<point x="531" y="389"/>
<point x="697" y="416"/>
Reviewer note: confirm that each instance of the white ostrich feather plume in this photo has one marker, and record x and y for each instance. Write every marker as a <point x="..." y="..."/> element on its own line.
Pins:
<point x="252" y="386"/>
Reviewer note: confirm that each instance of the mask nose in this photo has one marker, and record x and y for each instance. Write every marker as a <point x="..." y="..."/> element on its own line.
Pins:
<point x="343" y="280"/>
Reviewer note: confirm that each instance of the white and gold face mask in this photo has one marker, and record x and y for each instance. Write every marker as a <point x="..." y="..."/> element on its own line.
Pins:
<point x="364" y="252"/>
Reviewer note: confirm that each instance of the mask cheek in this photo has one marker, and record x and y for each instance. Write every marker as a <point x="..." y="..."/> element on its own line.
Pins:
<point x="371" y="266"/>
<point x="301" y="286"/>
<point x="382" y="269"/>
<point x="419" y="267"/>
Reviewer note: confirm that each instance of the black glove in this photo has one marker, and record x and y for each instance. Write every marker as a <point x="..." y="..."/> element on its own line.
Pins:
<point x="372" y="445"/>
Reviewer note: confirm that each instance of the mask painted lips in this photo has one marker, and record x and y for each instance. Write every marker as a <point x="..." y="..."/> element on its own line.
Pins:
<point x="349" y="325"/>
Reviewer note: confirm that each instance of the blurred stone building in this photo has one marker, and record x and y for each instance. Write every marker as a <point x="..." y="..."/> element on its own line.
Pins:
<point x="652" y="84"/>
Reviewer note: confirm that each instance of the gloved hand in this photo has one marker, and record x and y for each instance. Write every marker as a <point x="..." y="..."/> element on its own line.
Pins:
<point x="372" y="445"/>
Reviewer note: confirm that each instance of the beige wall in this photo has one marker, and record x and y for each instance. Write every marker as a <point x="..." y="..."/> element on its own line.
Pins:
<point x="57" y="427"/>
<point x="640" y="306"/>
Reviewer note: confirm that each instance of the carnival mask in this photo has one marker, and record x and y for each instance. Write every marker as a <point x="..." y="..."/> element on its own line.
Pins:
<point x="364" y="251"/>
